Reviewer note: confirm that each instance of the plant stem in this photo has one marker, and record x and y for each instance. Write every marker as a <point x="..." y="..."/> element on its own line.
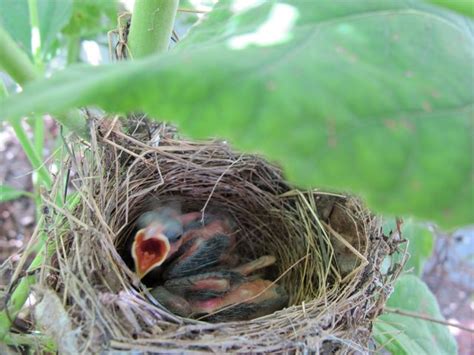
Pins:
<point x="37" y="123"/>
<point x="14" y="61"/>
<point x="44" y="178"/>
<point x="151" y="27"/>
<point x="73" y="48"/>
<point x="17" y="64"/>
<point x="35" y="33"/>
<point x="43" y="175"/>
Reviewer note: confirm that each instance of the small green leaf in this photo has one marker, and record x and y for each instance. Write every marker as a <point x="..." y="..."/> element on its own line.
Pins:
<point x="420" y="243"/>
<point x="402" y="334"/>
<point x="369" y="96"/>
<point x="53" y="16"/>
<point x="8" y="193"/>
<point x="15" y="19"/>
<point x="91" y="17"/>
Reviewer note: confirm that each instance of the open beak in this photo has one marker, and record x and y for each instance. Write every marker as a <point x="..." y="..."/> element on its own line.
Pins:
<point x="149" y="250"/>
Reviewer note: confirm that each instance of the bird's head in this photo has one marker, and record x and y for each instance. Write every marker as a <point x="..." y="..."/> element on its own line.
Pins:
<point x="150" y="249"/>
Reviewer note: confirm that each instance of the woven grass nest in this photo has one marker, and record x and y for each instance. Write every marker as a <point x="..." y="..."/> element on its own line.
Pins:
<point x="329" y="249"/>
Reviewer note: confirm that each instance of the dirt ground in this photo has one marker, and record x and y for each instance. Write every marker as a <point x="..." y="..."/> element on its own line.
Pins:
<point x="449" y="273"/>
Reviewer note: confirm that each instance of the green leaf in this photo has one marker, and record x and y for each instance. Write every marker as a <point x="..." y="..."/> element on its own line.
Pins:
<point x="465" y="7"/>
<point x="53" y="16"/>
<point x="420" y="243"/>
<point x="15" y="19"/>
<point x="91" y="17"/>
<point x="8" y="193"/>
<point x="368" y="96"/>
<point x="402" y="334"/>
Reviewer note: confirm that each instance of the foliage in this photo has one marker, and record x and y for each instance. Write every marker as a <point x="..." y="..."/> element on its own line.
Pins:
<point x="348" y="106"/>
<point x="404" y="335"/>
<point x="88" y="16"/>
<point x="16" y="17"/>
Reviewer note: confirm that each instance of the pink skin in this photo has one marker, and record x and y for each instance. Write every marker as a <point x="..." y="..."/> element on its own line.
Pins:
<point x="250" y="292"/>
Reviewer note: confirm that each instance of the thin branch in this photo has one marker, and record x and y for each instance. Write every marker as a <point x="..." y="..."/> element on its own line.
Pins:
<point x="427" y="318"/>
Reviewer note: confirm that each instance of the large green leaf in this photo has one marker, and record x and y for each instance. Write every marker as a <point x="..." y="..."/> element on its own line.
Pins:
<point x="420" y="243"/>
<point x="401" y="334"/>
<point x="15" y="19"/>
<point x="369" y="96"/>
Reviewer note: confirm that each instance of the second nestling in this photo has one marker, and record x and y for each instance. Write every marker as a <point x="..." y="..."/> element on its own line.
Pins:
<point x="193" y="268"/>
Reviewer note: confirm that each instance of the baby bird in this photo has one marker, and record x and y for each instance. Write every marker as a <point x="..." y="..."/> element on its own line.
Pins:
<point x="203" y="248"/>
<point x="158" y="238"/>
<point x="250" y="299"/>
<point x="223" y="295"/>
<point x="205" y="285"/>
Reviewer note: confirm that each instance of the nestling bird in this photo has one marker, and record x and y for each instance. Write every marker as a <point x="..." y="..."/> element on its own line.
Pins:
<point x="174" y="303"/>
<point x="254" y="265"/>
<point x="205" y="285"/>
<point x="158" y="238"/>
<point x="215" y="283"/>
<point x="218" y="289"/>
<point x="203" y="248"/>
<point x="250" y="299"/>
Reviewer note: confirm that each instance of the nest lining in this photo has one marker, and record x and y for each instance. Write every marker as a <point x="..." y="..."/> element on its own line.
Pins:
<point x="328" y="247"/>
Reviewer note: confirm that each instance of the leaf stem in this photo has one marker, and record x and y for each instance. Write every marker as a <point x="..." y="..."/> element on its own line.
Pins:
<point x="73" y="49"/>
<point x="35" y="33"/>
<point x="151" y="26"/>
<point x="43" y="175"/>
<point x="14" y="61"/>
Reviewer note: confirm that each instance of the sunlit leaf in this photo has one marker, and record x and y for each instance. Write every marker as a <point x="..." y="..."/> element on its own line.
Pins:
<point x="368" y="96"/>
<point x="401" y="334"/>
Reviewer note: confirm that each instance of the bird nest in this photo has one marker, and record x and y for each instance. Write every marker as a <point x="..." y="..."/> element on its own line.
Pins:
<point x="328" y="247"/>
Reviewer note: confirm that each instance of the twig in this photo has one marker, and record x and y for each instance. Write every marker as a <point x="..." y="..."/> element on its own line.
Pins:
<point x="427" y="318"/>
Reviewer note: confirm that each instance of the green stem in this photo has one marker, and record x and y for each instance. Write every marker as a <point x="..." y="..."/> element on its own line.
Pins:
<point x="37" y="123"/>
<point x="17" y="64"/>
<point x="151" y="27"/>
<point x="14" y="61"/>
<point x="30" y="151"/>
<point x="3" y="90"/>
<point x="43" y="175"/>
<point x="35" y="33"/>
<point x="73" y="47"/>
